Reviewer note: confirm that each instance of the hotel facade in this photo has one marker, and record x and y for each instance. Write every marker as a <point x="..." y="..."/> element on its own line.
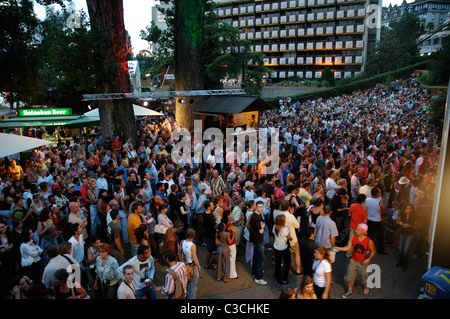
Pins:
<point x="303" y="37"/>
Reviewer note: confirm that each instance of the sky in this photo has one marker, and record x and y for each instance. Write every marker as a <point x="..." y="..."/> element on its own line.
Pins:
<point x="138" y="14"/>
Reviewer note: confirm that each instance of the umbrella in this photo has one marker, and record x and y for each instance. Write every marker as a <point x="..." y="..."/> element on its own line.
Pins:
<point x="138" y="111"/>
<point x="12" y="144"/>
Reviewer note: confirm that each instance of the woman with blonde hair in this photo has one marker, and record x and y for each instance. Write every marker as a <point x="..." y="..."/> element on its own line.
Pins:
<point x="190" y="257"/>
<point x="319" y="192"/>
<point x="281" y="249"/>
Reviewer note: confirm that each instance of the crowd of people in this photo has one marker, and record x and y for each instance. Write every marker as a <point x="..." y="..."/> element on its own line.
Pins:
<point x="356" y="173"/>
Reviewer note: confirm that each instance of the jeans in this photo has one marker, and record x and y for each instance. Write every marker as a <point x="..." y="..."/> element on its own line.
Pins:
<point x="124" y="225"/>
<point x="258" y="261"/>
<point x="404" y="242"/>
<point x="149" y="292"/>
<point x="95" y="220"/>
<point x="192" y="285"/>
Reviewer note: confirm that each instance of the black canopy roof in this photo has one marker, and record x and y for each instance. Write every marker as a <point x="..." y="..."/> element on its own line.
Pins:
<point x="232" y="105"/>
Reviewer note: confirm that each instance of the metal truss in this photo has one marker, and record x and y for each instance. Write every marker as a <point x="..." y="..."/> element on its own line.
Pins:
<point x="160" y="94"/>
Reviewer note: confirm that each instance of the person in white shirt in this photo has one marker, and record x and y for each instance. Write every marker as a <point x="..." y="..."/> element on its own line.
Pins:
<point x="292" y="224"/>
<point x="249" y="192"/>
<point x="355" y="184"/>
<point x="77" y="242"/>
<point x="127" y="290"/>
<point x="281" y="249"/>
<point x="331" y="185"/>
<point x="101" y="182"/>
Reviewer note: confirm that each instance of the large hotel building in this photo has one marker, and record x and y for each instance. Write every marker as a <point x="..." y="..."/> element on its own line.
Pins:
<point x="303" y="37"/>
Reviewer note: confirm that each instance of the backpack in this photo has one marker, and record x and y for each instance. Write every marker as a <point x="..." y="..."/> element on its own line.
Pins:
<point x="179" y="292"/>
<point x="298" y="211"/>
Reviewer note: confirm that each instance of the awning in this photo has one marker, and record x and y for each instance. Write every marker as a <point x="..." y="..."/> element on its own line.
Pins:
<point x="12" y="144"/>
<point x="84" y="121"/>
<point x="232" y="105"/>
<point x="37" y="121"/>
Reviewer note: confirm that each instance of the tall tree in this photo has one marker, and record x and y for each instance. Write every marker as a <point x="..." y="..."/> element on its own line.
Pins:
<point x="224" y="54"/>
<point x="18" y="30"/>
<point x="188" y="56"/>
<point x="111" y="69"/>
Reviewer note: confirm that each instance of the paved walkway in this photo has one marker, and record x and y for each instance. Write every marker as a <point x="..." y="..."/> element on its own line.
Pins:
<point x="395" y="283"/>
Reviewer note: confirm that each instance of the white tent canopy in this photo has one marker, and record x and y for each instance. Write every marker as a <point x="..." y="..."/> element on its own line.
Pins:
<point x="6" y="111"/>
<point x="138" y="111"/>
<point x="12" y="144"/>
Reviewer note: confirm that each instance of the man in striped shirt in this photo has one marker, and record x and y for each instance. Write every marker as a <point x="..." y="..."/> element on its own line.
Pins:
<point x="176" y="275"/>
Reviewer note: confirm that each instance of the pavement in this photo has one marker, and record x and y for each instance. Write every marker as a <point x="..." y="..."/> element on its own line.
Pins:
<point x="390" y="282"/>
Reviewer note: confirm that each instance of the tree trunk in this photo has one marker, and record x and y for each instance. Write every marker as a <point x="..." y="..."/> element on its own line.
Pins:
<point x="111" y="69"/>
<point x="189" y="17"/>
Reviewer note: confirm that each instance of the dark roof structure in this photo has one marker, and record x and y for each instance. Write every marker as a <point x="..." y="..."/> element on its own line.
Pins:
<point x="232" y="105"/>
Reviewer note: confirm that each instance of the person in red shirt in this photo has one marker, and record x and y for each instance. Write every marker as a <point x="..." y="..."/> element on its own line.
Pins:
<point x="84" y="189"/>
<point x="358" y="215"/>
<point x="360" y="244"/>
<point x="117" y="146"/>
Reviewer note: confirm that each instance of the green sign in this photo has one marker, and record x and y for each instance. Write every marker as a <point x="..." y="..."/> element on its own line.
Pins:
<point x="45" y="112"/>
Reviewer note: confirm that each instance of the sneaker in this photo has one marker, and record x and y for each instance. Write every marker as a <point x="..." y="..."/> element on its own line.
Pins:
<point x="366" y="290"/>
<point x="347" y="294"/>
<point x="261" y="281"/>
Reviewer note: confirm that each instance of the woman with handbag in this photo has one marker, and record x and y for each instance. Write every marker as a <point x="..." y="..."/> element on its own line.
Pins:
<point x="163" y="219"/>
<point x="30" y="256"/>
<point x="106" y="268"/>
<point x="190" y="258"/>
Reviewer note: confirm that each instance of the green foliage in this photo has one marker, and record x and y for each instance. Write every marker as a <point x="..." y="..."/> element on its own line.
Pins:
<point x="437" y="110"/>
<point x="18" y="34"/>
<point x="145" y="64"/>
<point x="327" y="75"/>
<point x="224" y="54"/>
<point x="162" y="39"/>
<point x="397" y="47"/>
<point x="66" y="60"/>
<point x="439" y="66"/>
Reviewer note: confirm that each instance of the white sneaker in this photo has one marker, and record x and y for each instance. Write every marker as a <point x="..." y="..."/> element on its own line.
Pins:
<point x="261" y="281"/>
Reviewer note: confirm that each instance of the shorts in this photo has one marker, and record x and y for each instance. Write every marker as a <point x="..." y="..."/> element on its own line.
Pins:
<point x="210" y="244"/>
<point x="294" y="247"/>
<point x="353" y="269"/>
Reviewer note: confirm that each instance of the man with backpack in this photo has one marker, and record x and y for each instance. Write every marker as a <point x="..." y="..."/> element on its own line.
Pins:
<point x="176" y="277"/>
